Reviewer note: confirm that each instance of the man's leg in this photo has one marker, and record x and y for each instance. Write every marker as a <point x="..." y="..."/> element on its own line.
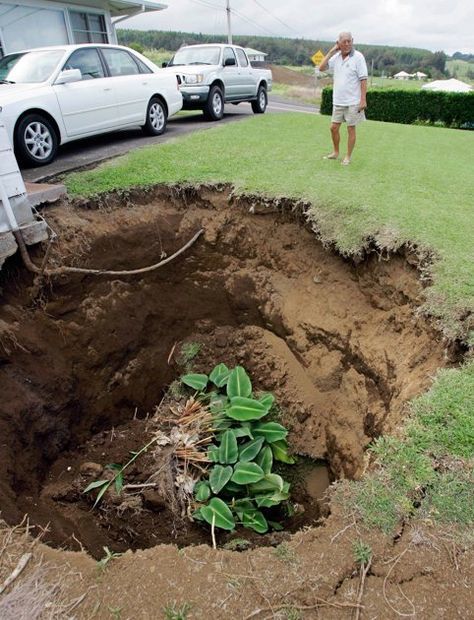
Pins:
<point x="351" y="140"/>
<point x="336" y="138"/>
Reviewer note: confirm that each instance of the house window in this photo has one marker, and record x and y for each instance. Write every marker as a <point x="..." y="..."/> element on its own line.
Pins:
<point x="88" y="27"/>
<point x="24" y="27"/>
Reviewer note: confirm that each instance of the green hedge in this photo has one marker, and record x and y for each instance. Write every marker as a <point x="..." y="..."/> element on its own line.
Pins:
<point x="408" y="106"/>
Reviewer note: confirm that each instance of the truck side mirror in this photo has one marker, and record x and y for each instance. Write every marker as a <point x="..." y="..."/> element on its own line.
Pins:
<point x="229" y="62"/>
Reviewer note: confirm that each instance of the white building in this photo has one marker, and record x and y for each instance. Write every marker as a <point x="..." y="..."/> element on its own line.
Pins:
<point x="403" y="75"/>
<point x="255" y="55"/>
<point x="451" y="86"/>
<point x="36" y="23"/>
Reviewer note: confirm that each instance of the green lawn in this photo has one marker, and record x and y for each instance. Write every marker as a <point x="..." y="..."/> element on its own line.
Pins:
<point x="405" y="184"/>
<point x="378" y="82"/>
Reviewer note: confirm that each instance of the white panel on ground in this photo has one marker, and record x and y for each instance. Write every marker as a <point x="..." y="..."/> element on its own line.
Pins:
<point x="12" y="183"/>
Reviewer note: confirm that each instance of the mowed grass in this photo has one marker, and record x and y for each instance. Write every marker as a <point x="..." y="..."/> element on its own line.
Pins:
<point x="406" y="184"/>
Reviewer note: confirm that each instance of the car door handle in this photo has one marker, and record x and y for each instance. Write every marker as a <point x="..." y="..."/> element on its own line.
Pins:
<point x="107" y="90"/>
<point x="145" y="83"/>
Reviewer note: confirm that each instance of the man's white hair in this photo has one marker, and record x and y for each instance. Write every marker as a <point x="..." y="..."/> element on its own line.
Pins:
<point x="344" y="34"/>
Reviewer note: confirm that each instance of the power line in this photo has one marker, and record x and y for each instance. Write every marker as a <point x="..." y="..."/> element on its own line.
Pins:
<point x="264" y="8"/>
<point x="253" y="22"/>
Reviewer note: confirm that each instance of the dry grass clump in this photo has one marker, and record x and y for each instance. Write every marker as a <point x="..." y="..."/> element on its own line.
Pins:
<point x="31" y="589"/>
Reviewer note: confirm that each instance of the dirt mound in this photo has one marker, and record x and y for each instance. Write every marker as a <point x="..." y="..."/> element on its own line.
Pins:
<point x="86" y="360"/>
<point x="283" y="75"/>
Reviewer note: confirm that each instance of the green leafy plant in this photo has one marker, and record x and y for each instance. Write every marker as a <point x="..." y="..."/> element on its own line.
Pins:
<point x="117" y="479"/>
<point x="109" y="555"/>
<point x="240" y="485"/>
<point x="362" y="552"/>
<point x="175" y="612"/>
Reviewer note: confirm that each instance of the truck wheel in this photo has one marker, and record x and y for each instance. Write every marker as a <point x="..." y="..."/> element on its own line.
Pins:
<point x="214" y="108"/>
<point x="260" y="104"/>
<point x="36" y="141"/>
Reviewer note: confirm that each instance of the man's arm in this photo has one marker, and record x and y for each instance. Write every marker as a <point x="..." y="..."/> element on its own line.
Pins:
<point x="324" y="65"/>
<point x="363" y="95"/>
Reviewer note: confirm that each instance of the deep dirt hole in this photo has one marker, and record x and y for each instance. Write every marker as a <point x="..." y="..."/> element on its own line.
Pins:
<point x="339" y="344"/>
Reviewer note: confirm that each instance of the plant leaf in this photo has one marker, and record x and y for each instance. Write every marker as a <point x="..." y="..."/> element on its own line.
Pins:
<point x="280" y="452"/>
<point x="220" y="512"/>
<point x="95" y="485"/>
<point x="265" y="459"/>
<point x="195" y="381"/>
<point x="243" y="505"/>
<point x="249" y="450"/>
<point x="219" y="375"/>
<point x="197" y="515"/>
<point x="271" y="431"/>
<point x="101" y="493"/>
<point x="118" y="482"/>
<point x="267" y="400"/>
<point x="228" y="450"/>
<point x="202" y="492"/>
<point x="213" y="453"/>
<point x="242" y="431"/>
<point x="278" y="527"/>
<point x="238" y="383"/>
<point x="231" y="488"/>
<point x="218" y="403"/>
<point x="271" y="483"/>
<point x="247" y="473"/>
<point x="219" y="477"/>
<point x="245" y="409"/>
<point x="255" y="521"/>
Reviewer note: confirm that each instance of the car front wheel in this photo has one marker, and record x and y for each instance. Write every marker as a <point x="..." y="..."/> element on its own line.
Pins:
<point x="214" y="109"/>
<point x="260" y="104"/>
<point x="36" y="140"/>
<point x="156" y="118"/>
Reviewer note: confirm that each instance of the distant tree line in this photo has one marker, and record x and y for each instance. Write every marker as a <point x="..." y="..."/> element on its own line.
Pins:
<point x="461" y="56"/>
<point x="283" y="51"/>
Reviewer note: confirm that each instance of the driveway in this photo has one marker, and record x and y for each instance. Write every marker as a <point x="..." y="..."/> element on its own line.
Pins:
<point x="88" y="152"/>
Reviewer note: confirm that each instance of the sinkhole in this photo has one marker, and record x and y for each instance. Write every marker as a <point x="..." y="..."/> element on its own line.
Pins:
<point x="85" y="360"/>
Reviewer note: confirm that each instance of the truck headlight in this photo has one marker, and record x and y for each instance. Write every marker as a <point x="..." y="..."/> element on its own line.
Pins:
<point x="194" y="79"/>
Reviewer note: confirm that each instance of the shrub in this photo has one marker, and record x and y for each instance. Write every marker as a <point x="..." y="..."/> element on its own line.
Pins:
<point x="407" y="107"/>
<point x="240" y="484"/>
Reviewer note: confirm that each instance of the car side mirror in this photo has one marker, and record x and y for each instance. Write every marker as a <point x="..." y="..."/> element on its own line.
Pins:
<point x="69" y="75"/>
<point x="229" y="62"/>
<point x="164" y="65"/>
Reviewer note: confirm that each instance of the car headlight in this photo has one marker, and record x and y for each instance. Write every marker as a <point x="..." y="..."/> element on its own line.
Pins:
<point x="194" y="79"/>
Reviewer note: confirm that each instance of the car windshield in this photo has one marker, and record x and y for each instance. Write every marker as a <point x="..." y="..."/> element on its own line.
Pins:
<point x="29" y="67"/>
<point x="196" y="56"/>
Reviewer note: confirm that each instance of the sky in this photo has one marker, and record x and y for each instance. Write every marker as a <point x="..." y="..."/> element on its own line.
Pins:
<point x="446" y="25"/>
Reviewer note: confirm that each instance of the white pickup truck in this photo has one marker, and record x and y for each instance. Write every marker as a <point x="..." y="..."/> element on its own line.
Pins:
<point x="214" y="74"/>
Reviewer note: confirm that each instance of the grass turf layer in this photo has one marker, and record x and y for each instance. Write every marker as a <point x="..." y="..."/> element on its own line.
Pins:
<point x="406" y="184"/>
<point x="428" y="471"/>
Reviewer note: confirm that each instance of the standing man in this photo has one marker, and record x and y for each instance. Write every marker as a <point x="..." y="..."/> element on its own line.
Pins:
<point x="349" y="91"/>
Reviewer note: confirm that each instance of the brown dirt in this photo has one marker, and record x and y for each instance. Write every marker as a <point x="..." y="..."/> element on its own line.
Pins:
<point x="339" y="344"/>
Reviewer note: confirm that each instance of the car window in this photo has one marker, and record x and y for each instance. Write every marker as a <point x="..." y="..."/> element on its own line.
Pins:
<point x="119" y="62"/>
<point x="242" y="58"/>
<point x="33" y="67"/>
<point x="205" y="55"/>
<point x="143" y="67"/>
<point x="88" y="62"/>
<point x="228" y="53"/>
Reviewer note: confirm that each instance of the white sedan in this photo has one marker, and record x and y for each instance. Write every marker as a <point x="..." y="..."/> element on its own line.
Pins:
<point x="49" y="96"/>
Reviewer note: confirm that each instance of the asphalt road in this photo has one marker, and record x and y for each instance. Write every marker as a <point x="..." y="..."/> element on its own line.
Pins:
<point x="87" y="152"/>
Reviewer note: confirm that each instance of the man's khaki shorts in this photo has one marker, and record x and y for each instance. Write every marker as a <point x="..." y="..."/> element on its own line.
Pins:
<point x="349" y="114"/>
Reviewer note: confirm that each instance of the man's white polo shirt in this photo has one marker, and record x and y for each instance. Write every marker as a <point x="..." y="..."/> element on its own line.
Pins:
<point x="347" y="76"/>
